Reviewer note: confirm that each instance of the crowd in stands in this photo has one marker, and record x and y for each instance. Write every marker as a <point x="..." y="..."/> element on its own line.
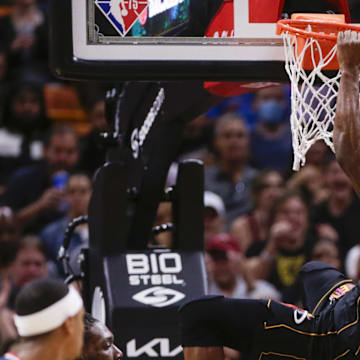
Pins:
<point x="262" y="222"/>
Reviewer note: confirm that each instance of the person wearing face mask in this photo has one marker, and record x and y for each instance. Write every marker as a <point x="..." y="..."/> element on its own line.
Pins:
<point x="271" y="137"/>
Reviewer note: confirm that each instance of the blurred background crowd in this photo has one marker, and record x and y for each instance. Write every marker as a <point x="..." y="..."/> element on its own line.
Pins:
<point x="262" y="221"/>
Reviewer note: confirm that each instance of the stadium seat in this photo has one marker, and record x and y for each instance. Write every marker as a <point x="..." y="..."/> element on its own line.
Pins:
<point x="63" y="106"/>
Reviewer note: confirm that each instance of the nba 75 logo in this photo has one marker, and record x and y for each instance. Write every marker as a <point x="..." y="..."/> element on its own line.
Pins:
<point x="122" y="14"/>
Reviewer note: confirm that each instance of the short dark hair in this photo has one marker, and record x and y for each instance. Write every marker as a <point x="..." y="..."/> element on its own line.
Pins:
<point x="229" y="117"/>
<point x="258" y="183"/>
<point x="281" y="200"/>
<point x="18" y="88"/>
<point x="59" y="130"/>
<point x="34" y="242"/>
<point x="38" y="295"/>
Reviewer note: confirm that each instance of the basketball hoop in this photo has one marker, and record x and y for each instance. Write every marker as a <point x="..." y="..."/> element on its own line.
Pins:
<point x="313" y="69"/>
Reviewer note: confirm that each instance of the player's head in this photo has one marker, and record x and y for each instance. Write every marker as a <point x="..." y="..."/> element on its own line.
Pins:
<point x="98" y="341"/>
<point x="48" y="311"/>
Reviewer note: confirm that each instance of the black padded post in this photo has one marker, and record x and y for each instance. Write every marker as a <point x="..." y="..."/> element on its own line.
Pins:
<point x="141" y="289"/>
<point x="188" y="207"/>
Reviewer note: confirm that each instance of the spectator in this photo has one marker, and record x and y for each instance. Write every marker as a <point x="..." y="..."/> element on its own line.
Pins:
<point x="341" y="210"/>
<point x="228" y="275"/>
<point x="77" y="197"/>
<point x="214" y="215"/>
<point x="310" y="182"/>
<point x="24" y="34"/>
<point x="23" y="129"/>
<point x="98" y="341"/>
<point x="248" y="229"/>
<point x="326" y="251"/>
<point x="288" y="247"/>
<point x="92" y="151"/>
<point x="319" y="155"/>
<point x="30" y="264"/>
<point x="271" y="146"/>
<point x="197" y="139"/>
<point x="231" y="176"/>
<point x="33" y="192"/>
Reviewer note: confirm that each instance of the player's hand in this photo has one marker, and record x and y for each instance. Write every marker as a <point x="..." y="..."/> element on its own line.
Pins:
<point x="348" y="50"/>
<point x="51" y="199"/>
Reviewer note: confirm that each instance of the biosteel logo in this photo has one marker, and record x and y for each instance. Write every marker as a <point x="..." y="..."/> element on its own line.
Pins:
<point x="158" y="296"/>
<point x="154" y="269"/>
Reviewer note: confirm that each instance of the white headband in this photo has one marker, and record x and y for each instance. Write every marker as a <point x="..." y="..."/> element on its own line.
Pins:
<point x="51" y="317"/>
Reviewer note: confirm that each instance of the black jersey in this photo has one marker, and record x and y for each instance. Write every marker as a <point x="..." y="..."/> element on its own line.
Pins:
<point x="328" y="330"/>
<point x="267" y="330"/>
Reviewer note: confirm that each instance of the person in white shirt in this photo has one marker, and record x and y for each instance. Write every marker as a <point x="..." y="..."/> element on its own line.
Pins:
<point x="228" y="275"/>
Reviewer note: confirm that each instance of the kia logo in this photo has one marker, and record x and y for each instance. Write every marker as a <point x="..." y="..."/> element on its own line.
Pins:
<point x="158" y="347"/>
<point x="158" y="296"/>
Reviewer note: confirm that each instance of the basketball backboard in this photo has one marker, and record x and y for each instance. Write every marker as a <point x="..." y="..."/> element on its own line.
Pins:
<point x="118" y="40"/>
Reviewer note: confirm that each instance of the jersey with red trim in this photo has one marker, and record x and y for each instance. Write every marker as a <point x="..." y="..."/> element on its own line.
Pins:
<point x="334" y="331"/>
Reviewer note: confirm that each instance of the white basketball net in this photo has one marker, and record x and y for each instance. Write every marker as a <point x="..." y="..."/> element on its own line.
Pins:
<point x="312" y="106"/>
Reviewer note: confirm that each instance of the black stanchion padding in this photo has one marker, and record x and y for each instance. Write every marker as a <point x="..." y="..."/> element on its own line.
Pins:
<point x="140" y="290"/>
<point x="188" y="207"/>
<point x="110" y="210"/>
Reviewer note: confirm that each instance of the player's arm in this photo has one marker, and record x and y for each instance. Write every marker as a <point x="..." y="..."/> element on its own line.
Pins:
<point x="347" y="119"/>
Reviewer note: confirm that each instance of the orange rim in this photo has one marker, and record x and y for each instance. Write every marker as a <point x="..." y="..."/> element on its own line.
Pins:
<point x="298" y="28"/>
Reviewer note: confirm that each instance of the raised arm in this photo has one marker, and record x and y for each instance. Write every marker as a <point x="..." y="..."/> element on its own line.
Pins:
<point x="347" y="119"/>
